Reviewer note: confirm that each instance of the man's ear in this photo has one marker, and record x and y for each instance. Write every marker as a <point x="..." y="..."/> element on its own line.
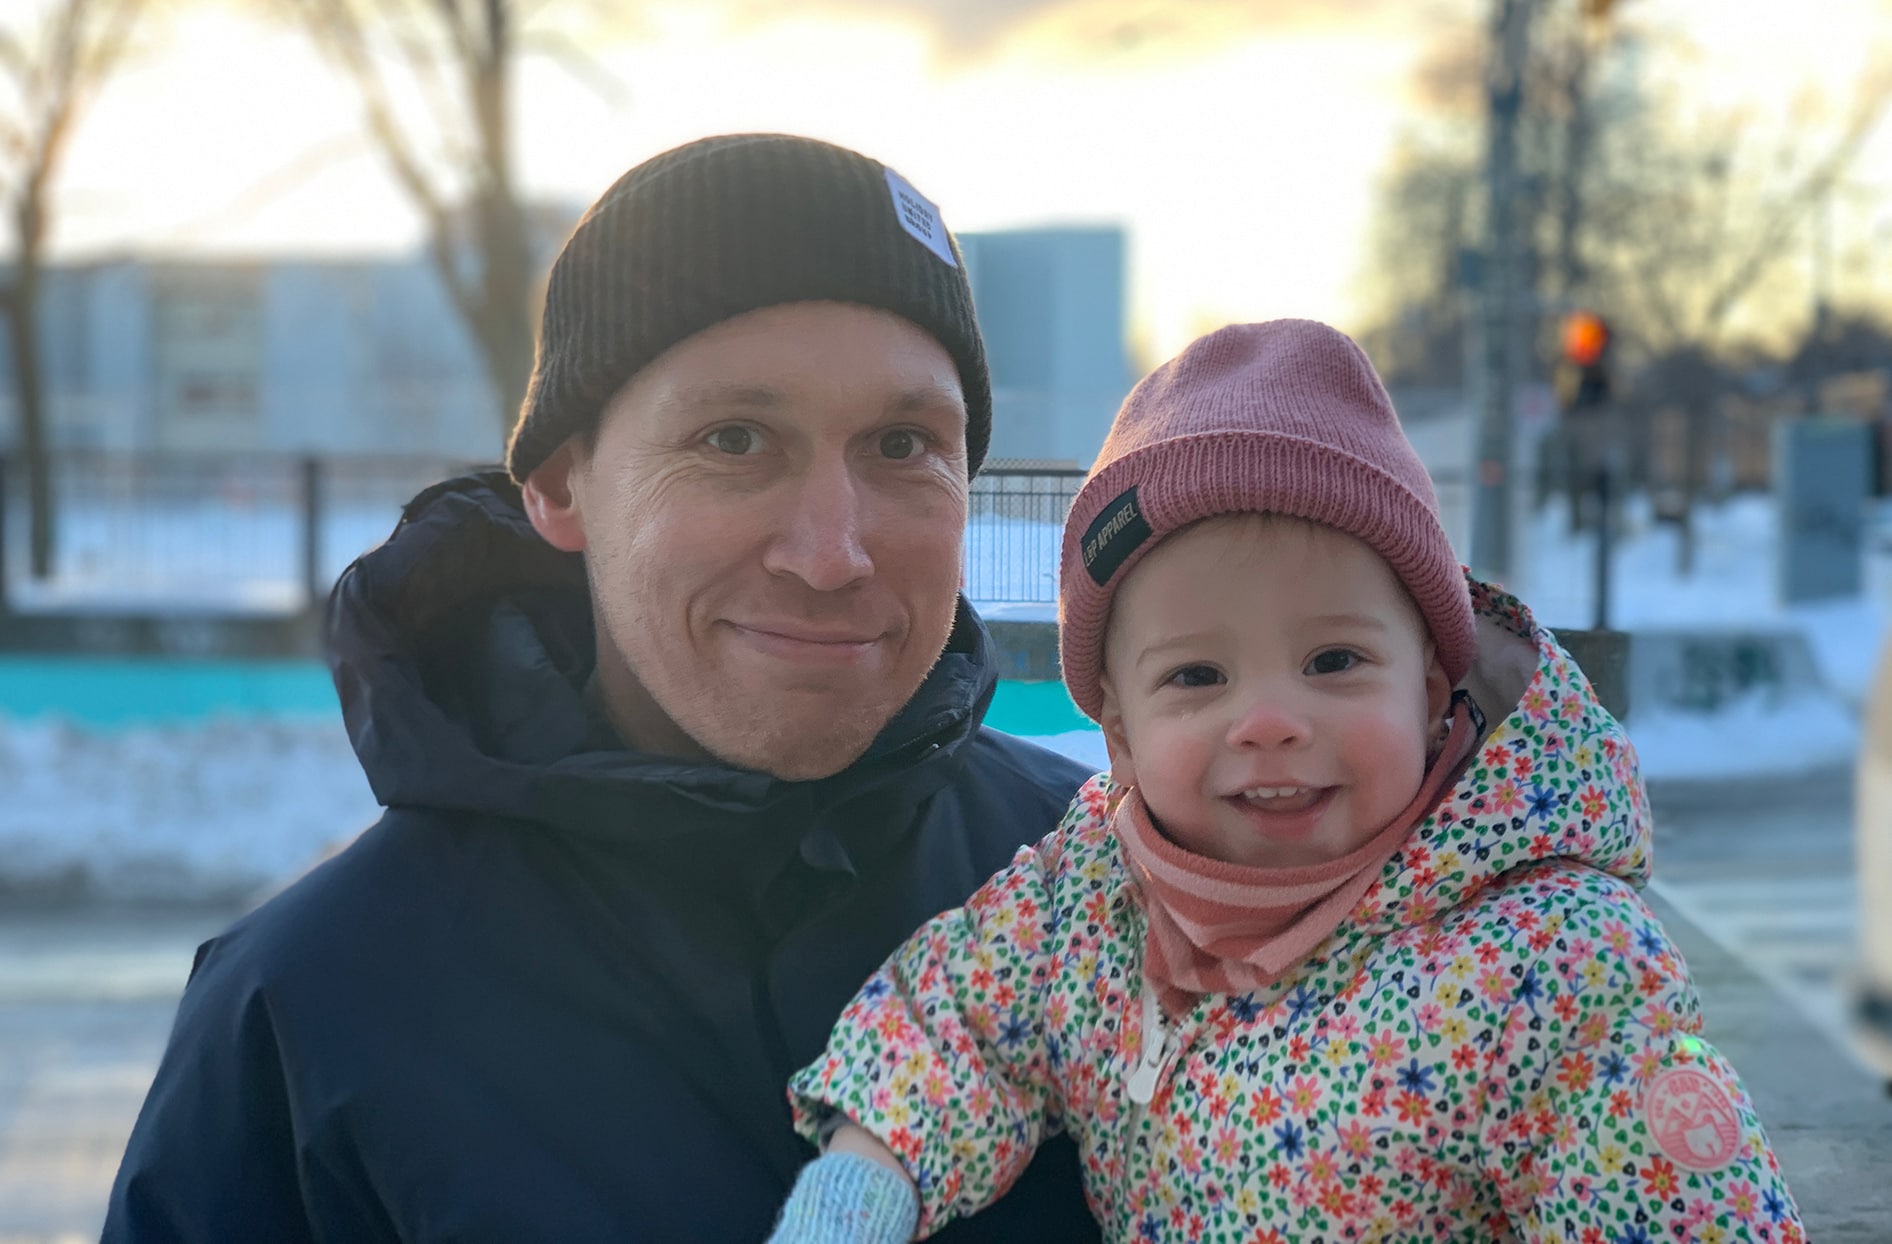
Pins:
<point x="1438" y="686"/>
<point x="1122" y="767"/>
<point x="551" y="499"/>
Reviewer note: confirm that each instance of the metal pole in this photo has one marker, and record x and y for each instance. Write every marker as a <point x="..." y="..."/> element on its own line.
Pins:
<point x="1603" y="526"/>
<point x="4" y="468"/>
<point x="312" y="532"/>
<point x="1822" y="297"/>
<point x="1491" y="495"/>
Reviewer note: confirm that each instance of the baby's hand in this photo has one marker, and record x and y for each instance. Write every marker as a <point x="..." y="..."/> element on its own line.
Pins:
<point x="853" y="1138"/>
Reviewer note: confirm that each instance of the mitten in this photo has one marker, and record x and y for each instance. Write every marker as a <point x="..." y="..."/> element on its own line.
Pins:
<point x="844" y="1198"/>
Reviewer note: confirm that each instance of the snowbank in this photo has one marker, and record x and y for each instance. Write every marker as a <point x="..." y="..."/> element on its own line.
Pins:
<point x="211" y="810"/>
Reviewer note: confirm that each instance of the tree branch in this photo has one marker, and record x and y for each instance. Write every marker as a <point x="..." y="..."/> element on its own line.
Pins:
<point x="581" y="66"/>
<point x="1786" y="218"/>
<point x="13" y="56"/>
<point x="339" y="31"/>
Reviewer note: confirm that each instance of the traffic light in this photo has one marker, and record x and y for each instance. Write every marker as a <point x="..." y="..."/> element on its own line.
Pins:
<point x="1583" y="381"/>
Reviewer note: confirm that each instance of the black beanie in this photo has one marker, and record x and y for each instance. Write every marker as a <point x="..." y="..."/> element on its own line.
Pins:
<point x="724" y="225"/>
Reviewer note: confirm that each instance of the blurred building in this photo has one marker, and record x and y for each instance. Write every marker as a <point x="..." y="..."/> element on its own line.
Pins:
<point x="1051" y="304"/>
<point x="209" y="356"/>
<point x="369" y="356"/>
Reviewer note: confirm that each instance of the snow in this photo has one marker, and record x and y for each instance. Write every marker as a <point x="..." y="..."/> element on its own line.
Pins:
<point x="1084" y="746"/>
<point x="233" y="804"/>
<point x="211" y="809"/>
<point x="1733" y="584"/>
<point x="1801" y="735"/>
<point x="1012" y="566"/>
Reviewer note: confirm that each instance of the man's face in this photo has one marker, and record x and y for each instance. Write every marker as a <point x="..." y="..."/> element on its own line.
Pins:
<point x="771" y="517"/>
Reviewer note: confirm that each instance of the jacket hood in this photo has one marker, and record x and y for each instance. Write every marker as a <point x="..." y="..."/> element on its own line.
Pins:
<point x="461" y="648"/>
<point x="1554" y="779"/>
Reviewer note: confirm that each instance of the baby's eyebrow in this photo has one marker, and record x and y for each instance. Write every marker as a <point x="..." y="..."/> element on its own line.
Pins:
<point x="1363" y="621"/>
<point x="1173" y="643"/>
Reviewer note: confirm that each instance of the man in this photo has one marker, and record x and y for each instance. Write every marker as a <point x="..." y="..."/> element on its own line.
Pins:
<point x="678" y="728"/>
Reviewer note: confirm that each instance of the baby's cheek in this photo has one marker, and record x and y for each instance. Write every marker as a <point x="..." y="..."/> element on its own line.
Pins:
<point x="1394" y="752"/>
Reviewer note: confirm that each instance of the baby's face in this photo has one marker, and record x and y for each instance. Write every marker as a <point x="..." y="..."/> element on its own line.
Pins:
<point x="1270" y="689"/>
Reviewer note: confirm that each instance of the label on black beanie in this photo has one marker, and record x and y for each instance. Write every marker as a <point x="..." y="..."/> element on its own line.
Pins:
<point x="918" y="216"/>
<point x="1113" y="535"/>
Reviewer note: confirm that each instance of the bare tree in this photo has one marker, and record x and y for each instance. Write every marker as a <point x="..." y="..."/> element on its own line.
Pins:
<point x="1691" y="232"/>
<point x="1671" y="223"/>
<point x="1686" y="227"/>
<point x="1683" y="228"/>
<point x="52" y="60"/>
<point x="1417" y="247"/>
<point x="449" y="144"/>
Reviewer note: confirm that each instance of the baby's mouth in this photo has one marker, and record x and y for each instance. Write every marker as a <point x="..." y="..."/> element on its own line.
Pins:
<point x="1284" y="799"/>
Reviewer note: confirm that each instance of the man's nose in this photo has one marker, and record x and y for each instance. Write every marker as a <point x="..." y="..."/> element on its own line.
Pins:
<point x="1270" y="719"/>
<point x="821" y="533"/>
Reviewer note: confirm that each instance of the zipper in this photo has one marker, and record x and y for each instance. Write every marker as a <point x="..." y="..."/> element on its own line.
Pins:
<point x="1159" y="1050"/>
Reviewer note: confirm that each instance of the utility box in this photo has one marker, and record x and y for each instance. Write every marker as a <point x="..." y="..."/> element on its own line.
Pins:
<point x="1822" y="479"/>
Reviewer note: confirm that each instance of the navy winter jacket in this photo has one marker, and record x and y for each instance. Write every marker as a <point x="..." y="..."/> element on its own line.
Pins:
<point x="557" y="991"/>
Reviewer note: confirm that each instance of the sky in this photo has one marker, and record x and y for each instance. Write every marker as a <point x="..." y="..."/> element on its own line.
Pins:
<point x="1238" y="141"/>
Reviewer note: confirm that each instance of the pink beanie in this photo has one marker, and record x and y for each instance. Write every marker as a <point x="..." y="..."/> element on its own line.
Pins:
<point x="1286" y="417"/>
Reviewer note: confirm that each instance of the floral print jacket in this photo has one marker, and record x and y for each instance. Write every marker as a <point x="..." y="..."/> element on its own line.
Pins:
<point x="1499" y="1044"/>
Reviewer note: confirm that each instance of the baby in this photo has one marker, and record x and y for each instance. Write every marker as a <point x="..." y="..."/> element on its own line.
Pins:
<point x="1324" y="957"/>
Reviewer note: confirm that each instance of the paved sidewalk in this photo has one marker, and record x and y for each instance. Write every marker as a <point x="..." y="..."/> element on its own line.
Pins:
<point x="86" y="1001"/>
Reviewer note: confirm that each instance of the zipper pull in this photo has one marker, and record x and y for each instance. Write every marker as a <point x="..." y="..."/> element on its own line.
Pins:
<point x="1149" y="1068"/>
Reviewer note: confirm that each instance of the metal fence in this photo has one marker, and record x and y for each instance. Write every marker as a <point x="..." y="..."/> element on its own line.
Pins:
<point x="227" y="533"/>
<point x="270" y="533"/>
<point x="1014" y="529"/>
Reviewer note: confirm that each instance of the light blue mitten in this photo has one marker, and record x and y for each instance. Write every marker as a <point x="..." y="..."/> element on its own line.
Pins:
<point x="844" y="1198"/>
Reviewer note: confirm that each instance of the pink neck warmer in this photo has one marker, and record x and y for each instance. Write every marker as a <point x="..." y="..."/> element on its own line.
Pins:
<point x="1226" y="928"/>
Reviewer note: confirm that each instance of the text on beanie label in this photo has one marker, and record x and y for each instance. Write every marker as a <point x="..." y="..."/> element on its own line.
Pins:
<point x="1113" y="535"/>
<point x="919" y="217"/>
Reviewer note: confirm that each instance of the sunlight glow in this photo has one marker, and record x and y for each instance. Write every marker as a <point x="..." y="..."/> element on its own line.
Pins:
<point x="1243" y="163"/>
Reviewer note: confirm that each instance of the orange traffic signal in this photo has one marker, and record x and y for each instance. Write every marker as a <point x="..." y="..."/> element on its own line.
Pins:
<point x="1586" y="337"/>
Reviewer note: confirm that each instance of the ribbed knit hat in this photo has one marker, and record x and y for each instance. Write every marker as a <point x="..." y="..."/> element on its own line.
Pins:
<point x="724" y="225"/>
<point x="1286" y="417"/>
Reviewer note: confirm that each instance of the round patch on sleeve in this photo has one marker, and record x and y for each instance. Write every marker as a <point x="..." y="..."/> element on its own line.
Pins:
<point x="1693" y="1119"/>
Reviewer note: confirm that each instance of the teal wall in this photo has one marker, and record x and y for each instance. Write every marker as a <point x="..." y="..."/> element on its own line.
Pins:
<point x="124" y="691"/>
<point x="118" y="691"/>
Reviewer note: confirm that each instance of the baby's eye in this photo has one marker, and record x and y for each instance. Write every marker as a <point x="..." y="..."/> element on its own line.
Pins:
<point x="735" y="439"/>
<point x="1333" y="661"/>
<point x="1196" y="676"/>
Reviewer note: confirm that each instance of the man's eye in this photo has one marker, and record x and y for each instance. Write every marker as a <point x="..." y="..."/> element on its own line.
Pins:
<point x="735" y="439"/>
<point x="899" y="444"/>
<point x="1333" y="661"/>
<point x="1196" y="676"/>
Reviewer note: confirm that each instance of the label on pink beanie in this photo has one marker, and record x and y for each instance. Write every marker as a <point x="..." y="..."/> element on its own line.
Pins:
<point x="1113" y="535"/>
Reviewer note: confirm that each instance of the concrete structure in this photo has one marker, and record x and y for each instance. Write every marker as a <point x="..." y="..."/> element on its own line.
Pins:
<point x="1051" y="303"/>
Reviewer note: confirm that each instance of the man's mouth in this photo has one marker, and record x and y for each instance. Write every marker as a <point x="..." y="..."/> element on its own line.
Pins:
<point x="795" y="641"/>
<point x="802" y="634"/>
